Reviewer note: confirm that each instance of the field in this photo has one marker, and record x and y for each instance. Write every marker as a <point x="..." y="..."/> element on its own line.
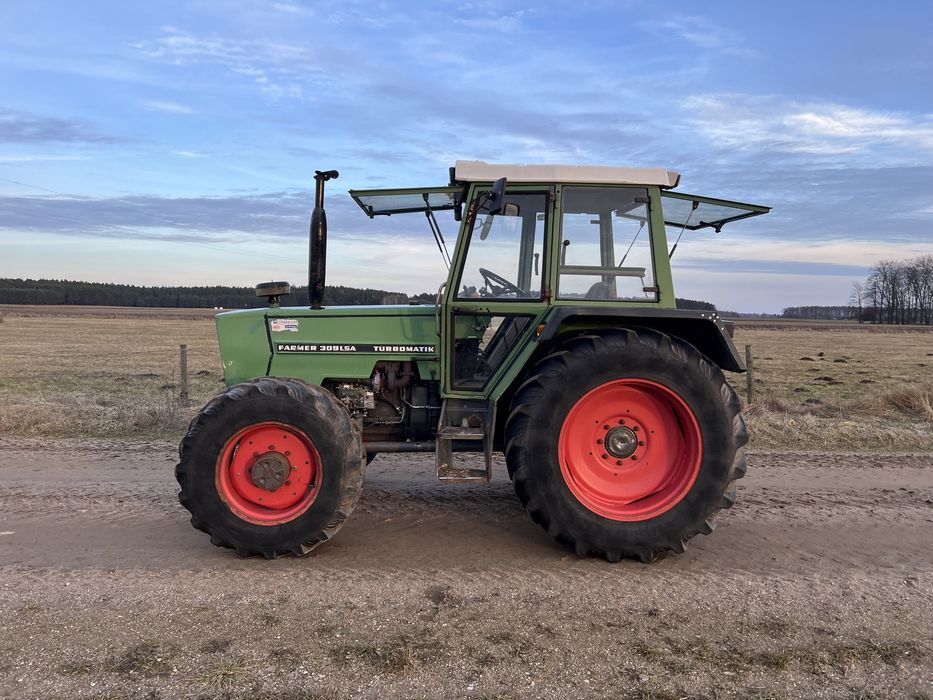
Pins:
<point x="816" y="584"/>
<point x="109" y="372"/>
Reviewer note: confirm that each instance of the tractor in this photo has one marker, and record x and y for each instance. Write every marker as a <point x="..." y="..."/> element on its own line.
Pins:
<point x="555" y="339"/>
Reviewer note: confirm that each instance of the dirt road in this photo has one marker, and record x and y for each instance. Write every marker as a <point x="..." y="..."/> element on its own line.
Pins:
<point x="818" y="583"/>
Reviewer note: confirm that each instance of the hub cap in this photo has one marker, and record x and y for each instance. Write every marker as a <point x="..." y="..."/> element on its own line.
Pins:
<point x="630" y="449"/>
<point x="621" y="442"/>
<point x="268" y="473"/>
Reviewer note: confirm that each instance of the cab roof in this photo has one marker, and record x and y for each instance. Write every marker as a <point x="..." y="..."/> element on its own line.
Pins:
<point x="480" y="171"/>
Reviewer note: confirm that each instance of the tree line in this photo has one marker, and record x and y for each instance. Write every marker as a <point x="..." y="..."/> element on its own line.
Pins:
<point x="896" y="292"/>
<point x="20" y="291"/>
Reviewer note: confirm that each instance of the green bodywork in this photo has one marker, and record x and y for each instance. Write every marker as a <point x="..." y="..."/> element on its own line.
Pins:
<point x="345" y="343"/>
<point x="257" y="342"/>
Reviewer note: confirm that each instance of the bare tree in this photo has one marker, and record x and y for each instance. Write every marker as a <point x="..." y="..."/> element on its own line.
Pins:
<point x="857" y="298"/>
<point x="900" y="291"/>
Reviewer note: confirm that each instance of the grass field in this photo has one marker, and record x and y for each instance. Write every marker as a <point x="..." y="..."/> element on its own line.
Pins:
<point x="110" y="372"/>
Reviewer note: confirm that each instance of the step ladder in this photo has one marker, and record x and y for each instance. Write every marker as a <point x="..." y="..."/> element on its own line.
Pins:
<point x="464" y="420"/>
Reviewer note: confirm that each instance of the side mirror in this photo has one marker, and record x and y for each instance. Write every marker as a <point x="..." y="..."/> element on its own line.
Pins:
<point x="496" y="195"/>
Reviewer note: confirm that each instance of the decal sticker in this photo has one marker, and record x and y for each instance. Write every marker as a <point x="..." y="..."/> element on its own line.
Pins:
<point x="308" y="347"/>
<point x="277" y="325"/>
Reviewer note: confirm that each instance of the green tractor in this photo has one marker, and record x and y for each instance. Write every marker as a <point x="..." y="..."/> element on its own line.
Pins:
<point x="555" y="339"/>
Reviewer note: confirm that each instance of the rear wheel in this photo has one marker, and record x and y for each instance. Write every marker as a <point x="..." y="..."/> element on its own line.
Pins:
<point x="271" y="466"/>
<point x="625" y="443"/>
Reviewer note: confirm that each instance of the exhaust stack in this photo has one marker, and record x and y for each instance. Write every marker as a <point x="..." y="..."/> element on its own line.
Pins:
<point x="317" y="245"/>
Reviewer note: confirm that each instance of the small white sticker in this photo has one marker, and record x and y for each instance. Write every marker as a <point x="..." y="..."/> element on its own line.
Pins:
<point x="277" y="325"/>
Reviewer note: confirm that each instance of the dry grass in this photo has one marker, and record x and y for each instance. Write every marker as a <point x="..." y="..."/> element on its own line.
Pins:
<point x="103" y="376"/>
<point x="113" y="372"/>
<point x="840" y="387"/>
<point x="225" y="674"/>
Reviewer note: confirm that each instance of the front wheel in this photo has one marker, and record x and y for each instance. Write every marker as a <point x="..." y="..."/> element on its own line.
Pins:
<point x="271" y="466"/>
<point x="625" y="443"/>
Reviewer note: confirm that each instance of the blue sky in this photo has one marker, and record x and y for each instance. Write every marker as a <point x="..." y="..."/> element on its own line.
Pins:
<point x="175" y="143"/>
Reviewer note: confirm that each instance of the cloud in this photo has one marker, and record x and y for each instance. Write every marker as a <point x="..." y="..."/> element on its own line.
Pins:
<point x="274" y="216"/>
<point x="168" y="107"/>
<point x="699" y="32"/>
<point x="144" y="216"/>
<point x="24" y="128"/>
<point x="763" y="123"/>
<point x="279" y="68"/>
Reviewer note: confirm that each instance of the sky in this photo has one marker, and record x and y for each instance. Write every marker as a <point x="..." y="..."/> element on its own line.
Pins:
<point x="176" y="142"/>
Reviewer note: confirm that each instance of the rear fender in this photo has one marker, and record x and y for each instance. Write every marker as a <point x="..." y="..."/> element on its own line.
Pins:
<point x="704" y="330"/>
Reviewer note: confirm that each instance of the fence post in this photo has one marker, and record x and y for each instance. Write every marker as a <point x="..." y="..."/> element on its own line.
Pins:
<point x="183" y="358"/>
<point x="750" y="375"/>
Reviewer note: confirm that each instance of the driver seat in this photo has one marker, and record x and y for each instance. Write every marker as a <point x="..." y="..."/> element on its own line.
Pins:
<point x="600" y="290"/>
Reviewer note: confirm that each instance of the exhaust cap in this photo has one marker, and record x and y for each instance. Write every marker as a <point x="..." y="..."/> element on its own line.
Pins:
<point x="272" y="291"/>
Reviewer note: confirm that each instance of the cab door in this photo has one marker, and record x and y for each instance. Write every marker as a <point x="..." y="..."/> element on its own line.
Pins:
<point x="498" y="291"/>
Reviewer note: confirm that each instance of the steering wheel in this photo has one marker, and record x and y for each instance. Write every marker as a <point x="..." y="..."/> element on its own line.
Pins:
<point x="498" y="284"/>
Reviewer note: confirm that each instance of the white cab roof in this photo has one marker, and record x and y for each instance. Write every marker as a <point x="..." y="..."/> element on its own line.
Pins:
<point x="480" y="171"/>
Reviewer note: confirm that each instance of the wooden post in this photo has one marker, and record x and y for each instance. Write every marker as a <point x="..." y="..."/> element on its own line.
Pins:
<point x="750" y="375"/>
<point x="183" y="357"/>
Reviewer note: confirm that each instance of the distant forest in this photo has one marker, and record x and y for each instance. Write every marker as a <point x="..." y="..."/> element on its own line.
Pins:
<point x="896" y="291"/>
<point x="17" y="291"/>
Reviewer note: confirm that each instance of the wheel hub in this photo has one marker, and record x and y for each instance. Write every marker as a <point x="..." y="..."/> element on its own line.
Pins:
<point x="621" y="442"/>
<point x="270" y="471"/>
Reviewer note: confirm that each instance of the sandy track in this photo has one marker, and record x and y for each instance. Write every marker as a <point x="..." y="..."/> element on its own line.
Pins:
<point x="817" y="583"/>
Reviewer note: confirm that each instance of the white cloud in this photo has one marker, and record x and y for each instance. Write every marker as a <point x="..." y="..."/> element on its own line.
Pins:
<point x="760" y="122"/>
<point x="168" y="107"/>
<point x="699" y="32"/>
<point x="700" y="247"/>
<point x="292" y="8"/>
<point x="279" y="69"/>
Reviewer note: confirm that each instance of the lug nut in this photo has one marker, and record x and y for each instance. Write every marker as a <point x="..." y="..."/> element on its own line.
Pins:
<point x="635" y="428"/>
<point x="599" y="442"/>
<point x="641" y="443"/>
<point x="605" y="456"/>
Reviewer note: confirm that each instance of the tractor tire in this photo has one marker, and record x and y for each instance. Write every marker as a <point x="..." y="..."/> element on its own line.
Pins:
<point x="271" y="466"/>
<point x="625" y="443"/>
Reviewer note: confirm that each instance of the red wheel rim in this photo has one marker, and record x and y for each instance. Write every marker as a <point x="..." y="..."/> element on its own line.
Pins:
<point x="291" y="471"/>
<point x="630" y="449"/>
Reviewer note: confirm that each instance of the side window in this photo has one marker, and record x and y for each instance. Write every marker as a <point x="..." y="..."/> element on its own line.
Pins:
<point x="505" y="257"/>
<point x="605" y="251"/>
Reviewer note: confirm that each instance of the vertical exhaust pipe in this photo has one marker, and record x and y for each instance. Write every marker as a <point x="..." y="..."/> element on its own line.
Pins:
<point x="317" y="245"/>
